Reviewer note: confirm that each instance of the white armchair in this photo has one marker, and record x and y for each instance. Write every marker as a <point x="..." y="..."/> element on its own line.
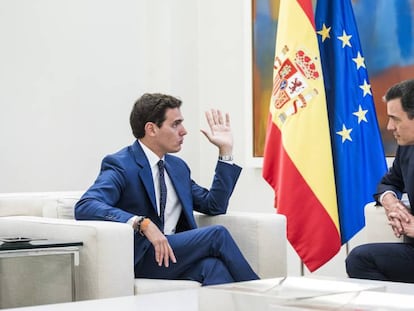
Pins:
<point x="376" y="225"/>
<point x="106" y="258"/>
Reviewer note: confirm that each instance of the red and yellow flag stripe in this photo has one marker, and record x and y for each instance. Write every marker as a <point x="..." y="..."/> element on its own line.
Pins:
<point x="298" y="158"/>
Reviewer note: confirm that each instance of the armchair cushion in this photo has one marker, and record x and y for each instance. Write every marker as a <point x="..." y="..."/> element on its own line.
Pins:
<point x="376" y="225"/>
<point x="61" y="207"/>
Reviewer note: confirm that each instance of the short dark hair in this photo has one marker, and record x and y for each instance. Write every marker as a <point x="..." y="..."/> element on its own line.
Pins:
<point x="150" y="108"/>
<point x="405" y="91"/>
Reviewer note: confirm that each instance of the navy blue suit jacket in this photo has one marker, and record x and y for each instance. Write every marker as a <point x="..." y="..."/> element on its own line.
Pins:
<point x="400" y="177"/>
<point x="125" y="188"/>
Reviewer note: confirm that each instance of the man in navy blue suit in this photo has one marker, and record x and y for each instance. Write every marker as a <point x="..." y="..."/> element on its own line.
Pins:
<point x="150" y="189"/>
<point x="393" y="261"/>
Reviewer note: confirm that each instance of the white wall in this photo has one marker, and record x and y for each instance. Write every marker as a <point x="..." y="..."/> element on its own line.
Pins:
<point x="70" y="71"/>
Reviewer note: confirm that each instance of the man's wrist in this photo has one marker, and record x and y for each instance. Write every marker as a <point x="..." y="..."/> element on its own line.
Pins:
<point x="139" y="223"/>
<point x="143" y="225"/>
<point x="226" y="158"/>
<point x="382" y="196"/>
<point x="135" y="221"/>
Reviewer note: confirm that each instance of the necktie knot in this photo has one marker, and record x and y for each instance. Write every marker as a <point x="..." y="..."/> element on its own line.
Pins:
<point x="160" y="164"/>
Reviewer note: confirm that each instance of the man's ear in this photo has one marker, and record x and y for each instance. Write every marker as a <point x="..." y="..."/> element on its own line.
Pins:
<point x="150" y="128"/>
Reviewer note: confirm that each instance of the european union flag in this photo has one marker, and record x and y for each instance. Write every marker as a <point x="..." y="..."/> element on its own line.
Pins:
<point x="358" y="153"/>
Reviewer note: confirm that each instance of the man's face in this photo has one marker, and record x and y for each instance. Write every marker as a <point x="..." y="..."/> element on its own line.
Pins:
<point x="170" y="136"/>
<point x="399" y="124"/>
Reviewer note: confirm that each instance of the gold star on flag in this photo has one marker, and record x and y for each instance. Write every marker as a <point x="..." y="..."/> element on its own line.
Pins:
<point x="366" y="88"/>
<point x="359" y="61"/>
<point x="361" y="114"/>
<point x="345" y="39"/>
<point x="345" y="133"/>
<point x="324" y="32"/>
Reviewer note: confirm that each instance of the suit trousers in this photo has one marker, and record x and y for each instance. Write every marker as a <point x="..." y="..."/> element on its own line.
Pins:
<point x="208" y="255"/>
<point x="382" y="261"/>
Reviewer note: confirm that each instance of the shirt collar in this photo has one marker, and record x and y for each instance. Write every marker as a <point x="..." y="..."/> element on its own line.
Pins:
<point x="151" y="156"/>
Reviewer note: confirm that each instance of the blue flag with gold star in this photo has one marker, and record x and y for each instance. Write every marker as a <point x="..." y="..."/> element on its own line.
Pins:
<point x="358" y="154"/>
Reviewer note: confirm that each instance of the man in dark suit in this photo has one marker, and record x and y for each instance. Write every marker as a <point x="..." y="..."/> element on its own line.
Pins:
<point x="393" y="261"/>
<point x="152" y="190"/>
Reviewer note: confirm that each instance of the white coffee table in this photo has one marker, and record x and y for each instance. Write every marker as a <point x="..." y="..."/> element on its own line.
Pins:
<point x="291" y="294"/>
<point x="309" y="293"/>
<point x="183" y="300"/>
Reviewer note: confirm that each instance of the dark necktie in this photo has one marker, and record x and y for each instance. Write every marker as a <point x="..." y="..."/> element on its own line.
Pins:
<point x="163" y="191"/>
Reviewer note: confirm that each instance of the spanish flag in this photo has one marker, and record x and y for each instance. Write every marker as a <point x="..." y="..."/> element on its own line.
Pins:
<point x="298" y="160"/>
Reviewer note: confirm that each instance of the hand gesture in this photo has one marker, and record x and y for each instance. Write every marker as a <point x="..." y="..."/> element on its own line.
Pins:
<point x="220" y="133"/>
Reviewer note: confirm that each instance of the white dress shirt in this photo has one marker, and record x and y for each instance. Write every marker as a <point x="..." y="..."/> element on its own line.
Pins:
<point x="173" y="206"/>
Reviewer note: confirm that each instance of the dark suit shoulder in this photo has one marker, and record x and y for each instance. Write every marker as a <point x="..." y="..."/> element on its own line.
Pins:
<point x="174" y="160"/>
<point x="122" y="153"/>
<point x="404" y="157"/>
<point x="122" y="158"/>
<point x="404" y="151"/>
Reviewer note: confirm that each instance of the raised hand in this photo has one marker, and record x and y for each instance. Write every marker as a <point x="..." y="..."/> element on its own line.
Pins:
<point x="220" y="133"/>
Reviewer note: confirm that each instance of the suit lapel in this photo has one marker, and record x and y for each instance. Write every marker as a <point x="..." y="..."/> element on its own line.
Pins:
<point x="144" y="173"/>
<point x="179" y="181"/>
<point x="178" y="178"/>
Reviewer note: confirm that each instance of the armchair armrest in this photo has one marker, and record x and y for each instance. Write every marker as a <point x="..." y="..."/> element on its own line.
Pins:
<point x="376" y="225"/>
<point x="106" y="266"/>
<point x="260" y="236"/>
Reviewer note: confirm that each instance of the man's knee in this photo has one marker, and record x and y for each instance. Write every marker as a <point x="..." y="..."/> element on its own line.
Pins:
<point x="216" y="232"/>
<point x="354" y="260"/>
<point x="221" y="235"/>
<point x="221" y="230"/>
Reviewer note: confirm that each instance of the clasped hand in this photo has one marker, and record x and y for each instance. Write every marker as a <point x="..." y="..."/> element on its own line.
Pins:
<point x="400" y="219"/>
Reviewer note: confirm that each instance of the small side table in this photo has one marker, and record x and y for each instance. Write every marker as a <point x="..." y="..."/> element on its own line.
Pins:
<point x="38" y="271"/>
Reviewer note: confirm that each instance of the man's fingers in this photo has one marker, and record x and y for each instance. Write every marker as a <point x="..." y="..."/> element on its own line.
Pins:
<point x="399" y="213"/>
<point x="172" y="255"/>
<point x="157" y="253"/>
<point x="395" y="230"/>
<point x="215" y="116"/>
<point x="163" y="254"/>
<point x="209" y="118"/>
<point x="165" y="258"/>
<point x="402" y="214"/>
<point x="169" y="255"/>
<point x="160" y="251"/>
<point x="227" y="120"/>
<point x="395" y="223"/>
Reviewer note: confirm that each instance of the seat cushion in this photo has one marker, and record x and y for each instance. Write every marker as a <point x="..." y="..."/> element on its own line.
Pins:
<point x="145" y="286"/>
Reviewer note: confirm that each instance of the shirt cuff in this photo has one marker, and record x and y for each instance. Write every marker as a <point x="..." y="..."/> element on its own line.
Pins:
<point x="228" y="162"/>
<point x="131" y="220"/>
